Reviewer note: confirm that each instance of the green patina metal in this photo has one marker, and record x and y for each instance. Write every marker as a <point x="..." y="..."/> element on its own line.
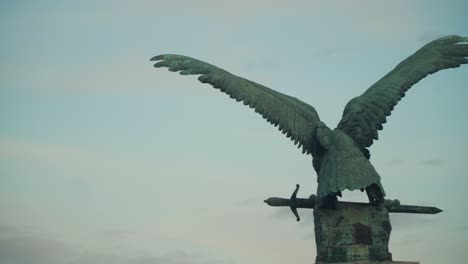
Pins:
<point x="340" y="156"/>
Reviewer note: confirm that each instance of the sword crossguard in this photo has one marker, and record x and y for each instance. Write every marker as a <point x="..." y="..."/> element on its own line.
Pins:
<point x="293" y="203"/>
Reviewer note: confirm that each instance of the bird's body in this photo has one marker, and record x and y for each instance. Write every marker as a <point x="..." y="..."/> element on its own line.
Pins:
<point x="343" y="166"/>
<point x="341" y="157"/>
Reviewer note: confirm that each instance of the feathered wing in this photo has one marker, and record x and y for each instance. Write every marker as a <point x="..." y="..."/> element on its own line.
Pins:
<point x="364" y="115"/>
<point x="294" y="118"/>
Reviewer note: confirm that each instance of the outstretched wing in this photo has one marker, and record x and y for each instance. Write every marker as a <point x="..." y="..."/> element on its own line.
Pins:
<point x="364" y="115"/>
<point x="294" y="118"/>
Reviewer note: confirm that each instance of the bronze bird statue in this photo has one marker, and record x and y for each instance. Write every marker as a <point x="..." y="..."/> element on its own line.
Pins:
<point x="340" y="156"/>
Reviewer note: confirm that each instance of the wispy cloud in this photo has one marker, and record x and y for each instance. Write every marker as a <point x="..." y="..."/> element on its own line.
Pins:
<point x="425" y="162"/>
<point x="179" y="257"/>
<point x="17" y="247"/>
<point x="125" y="67"/>
<point x="433" y="162"/>
<point x="134" y="75"/>
<point x="20" y="246"/>
<point x="62" y="155"/>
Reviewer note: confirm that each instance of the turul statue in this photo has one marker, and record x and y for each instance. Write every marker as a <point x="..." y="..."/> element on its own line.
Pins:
<point x="345" y="232"/>
<point x="341" y="156"/>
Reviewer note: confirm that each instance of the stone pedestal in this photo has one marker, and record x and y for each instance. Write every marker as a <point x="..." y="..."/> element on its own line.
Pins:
<point x="353" y="233"/>
<point x="378" y="262"/>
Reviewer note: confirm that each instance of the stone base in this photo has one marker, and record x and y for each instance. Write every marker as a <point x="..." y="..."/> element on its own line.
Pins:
<point x="370" y="262"/>
<point x="353" y="234"/>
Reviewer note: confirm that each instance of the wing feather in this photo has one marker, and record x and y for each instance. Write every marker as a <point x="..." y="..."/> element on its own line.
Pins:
<point x="294" y="118"/>
<point x="364" y="115"/>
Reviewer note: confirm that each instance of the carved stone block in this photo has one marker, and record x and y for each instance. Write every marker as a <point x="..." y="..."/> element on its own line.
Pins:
<point x="352" y="232"/>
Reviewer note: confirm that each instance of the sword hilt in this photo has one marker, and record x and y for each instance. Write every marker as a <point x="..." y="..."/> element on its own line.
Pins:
<point x="293" y="202"/>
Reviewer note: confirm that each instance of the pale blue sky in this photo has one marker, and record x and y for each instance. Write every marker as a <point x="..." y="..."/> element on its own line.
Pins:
<point x="105" y="159"/>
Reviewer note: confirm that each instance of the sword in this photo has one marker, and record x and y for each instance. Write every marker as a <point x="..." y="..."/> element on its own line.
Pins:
<point x="393" y="206"/>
